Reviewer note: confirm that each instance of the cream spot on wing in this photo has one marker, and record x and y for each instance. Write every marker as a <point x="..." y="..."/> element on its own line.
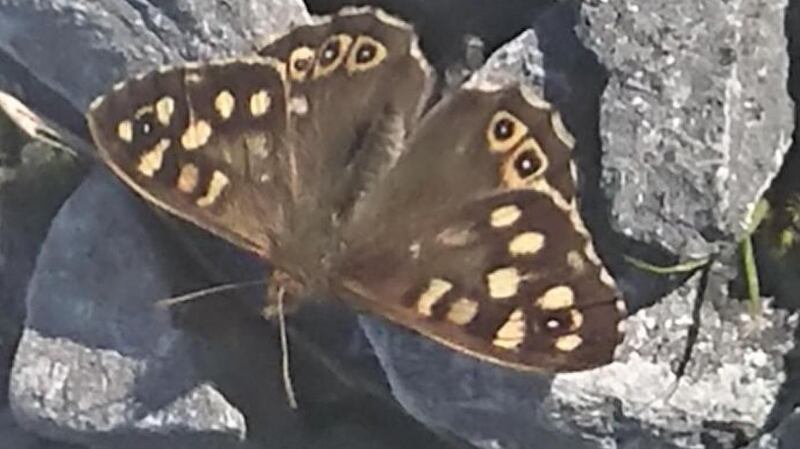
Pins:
<point x="560" y="297"/>
<point x="215" y="187"/>
<point x="298" y="105"/>
<point x="533" y="98"/>
<point x="526" y="243"/>
<point x="462" y="312"/>
<point x="144" y="110"/>
<point x="225" y="103"/>
<point x="512" y="332"/>
<point x="259" y="103"/>
<point x="193" y="77"/>
<point x="568" y="343"/>
<point x="165" y="107"/>
<point x="561" y="131"/>
<point x="414" y="249"/>
<point x="505" y="216"/>
<point x="188" y="177"/>
<point x="591" y="254"/>
<point x="575" y="261"/>
<point x="125" y="131"/>
<point x="150" y="162"/>
<point x="436" y="289"/>
<point x="622" y="308"/>
<point x="257" y="145"/>
<point x="573" y="170"/>
<point x="576" y="318"/>
<point x="503" y="282"/>
<point x="196" y="135"/>
<point x="605" y="277"/>
<point x="456" y="236"/>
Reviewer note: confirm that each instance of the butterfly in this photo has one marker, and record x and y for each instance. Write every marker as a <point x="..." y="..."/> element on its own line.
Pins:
<point x="323" y="155"/>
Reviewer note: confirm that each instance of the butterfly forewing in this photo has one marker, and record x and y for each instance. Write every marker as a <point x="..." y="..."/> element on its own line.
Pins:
<point x="485" y="250"/>
<point x="352" y="75"/>
<point x="202" y="146"/>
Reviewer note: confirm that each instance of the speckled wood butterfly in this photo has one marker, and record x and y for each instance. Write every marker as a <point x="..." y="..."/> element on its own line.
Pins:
<point x="321" y="155"/>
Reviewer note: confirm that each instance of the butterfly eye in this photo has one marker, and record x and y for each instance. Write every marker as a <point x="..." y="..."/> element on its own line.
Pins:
<point x="143" y="125"/>
<point x="526" y="164"/>
<point x="301" y="65"/>
<point x="367" y="53"/>
<point x="300" y="62"/>
<point x="331" y="53"/>
<point x="504" y="131"/>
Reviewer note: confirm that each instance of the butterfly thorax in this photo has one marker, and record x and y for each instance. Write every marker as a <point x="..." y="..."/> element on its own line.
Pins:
<point x="306" y="253"/>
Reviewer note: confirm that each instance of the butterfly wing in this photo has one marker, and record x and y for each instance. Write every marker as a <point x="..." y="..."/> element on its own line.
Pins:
<point x="358" y="84"/>
<point x="474" y="239"/>
<point x="201" y="146"/>
<point x="268" y="151"/>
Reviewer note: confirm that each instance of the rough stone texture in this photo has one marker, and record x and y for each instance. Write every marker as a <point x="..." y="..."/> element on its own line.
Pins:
<point x="89" y="370"/>
<point x="90" y="316"/>
<point x="695" y="117"/>
<point x="34" y="181"/>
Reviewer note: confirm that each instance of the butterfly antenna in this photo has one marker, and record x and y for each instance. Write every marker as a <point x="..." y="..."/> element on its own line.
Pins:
<point x="287" y="375"/>
<point x="169" y="302"/>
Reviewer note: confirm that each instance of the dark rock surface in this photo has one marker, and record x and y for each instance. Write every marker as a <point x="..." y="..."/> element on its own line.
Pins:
<point x="98" y="365"/>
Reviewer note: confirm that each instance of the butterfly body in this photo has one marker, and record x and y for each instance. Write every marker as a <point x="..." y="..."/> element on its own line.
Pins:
<point x="459" y="221"/>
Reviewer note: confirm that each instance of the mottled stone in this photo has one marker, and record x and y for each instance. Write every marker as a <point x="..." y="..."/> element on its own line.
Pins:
<point x="695" y="118"/>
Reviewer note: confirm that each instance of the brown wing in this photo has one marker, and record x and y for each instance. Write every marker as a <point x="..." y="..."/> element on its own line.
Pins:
<point x="202" y="143"/>
<point x="474" y="239"/>
<point x="358" y="84"/>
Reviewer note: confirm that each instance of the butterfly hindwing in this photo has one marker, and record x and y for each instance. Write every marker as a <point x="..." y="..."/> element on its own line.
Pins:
<point x="484" y="250"/>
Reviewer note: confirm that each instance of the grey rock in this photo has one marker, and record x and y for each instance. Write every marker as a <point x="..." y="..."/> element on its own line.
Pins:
<point x="696" y="117"/>
<point x="96" y="350"/>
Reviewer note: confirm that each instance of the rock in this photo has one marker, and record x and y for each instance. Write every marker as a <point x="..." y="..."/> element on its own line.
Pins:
<point x="96" y="353"/>
<point x="695" y="117"/>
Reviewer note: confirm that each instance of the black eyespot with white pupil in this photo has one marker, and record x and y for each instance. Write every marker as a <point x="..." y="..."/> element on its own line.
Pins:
<point x="366" y="53"/>
<point x="144" y="125"/>
<point x="503" y="129"/>
<point x="526" y="164"/>
<point x="330" y="52"/>
<point x="556" y="322"/>
<point x="302" y="64"/>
